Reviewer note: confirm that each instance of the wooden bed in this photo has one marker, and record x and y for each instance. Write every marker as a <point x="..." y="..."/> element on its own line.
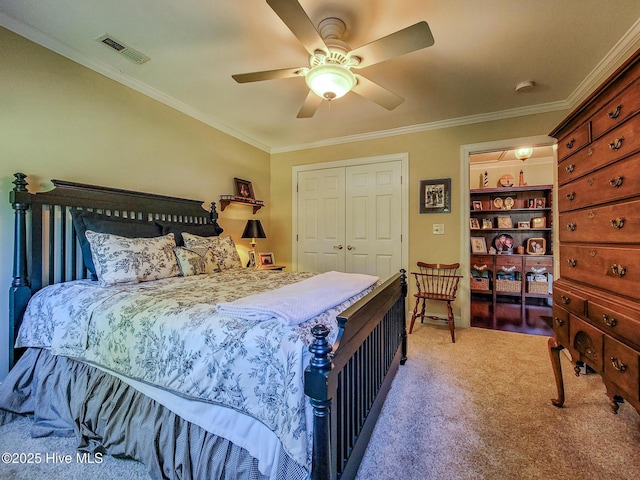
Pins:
<point x="346" y="382"/>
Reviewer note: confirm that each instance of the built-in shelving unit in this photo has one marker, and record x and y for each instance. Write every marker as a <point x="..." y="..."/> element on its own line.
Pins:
<point x="511" y="262"/>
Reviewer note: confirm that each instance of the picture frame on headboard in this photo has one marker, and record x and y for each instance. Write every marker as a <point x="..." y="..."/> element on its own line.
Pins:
<point x="243" y="188"/>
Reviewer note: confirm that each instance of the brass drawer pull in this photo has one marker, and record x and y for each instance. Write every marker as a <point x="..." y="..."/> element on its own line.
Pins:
<point x="572" y="262"/>
<point x="558" y="321"/>
<point x="570" y="143"/>
<point x="565" y="300"/>
<point x="569" y="168"/>
<point x="610" y="322"/>
<point x="616" y="144"/>
<point x="616" y="182"/>
<point x="617" y="223"/>
<point x="618" y="270"/>
<point x="613" y="115"/>
<point x="618" y="365"/>
<point x="571" y="227"/>
<point x="571" y="196"/>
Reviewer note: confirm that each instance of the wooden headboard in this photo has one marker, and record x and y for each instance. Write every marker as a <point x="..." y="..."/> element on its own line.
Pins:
<point x="46" y="248"/>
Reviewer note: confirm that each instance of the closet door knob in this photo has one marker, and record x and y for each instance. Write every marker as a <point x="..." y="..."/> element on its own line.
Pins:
<point x="339" y="247"/>
<point x="350" y="247"/>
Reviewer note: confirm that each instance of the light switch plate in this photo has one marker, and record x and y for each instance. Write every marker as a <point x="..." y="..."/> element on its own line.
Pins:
<point x="438" y="228"/>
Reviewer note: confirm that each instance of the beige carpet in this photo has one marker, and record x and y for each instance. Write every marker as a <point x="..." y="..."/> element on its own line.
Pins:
<point x="480" y="409"/>
<point x="477" y="409"/>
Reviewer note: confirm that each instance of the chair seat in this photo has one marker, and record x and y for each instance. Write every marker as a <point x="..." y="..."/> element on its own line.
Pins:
<point x="435" y="296"/>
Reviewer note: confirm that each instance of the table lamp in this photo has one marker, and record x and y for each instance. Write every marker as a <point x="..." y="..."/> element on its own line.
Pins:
<point x="253" y="229"/>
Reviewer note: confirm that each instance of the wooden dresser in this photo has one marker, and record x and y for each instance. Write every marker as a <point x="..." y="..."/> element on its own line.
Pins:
<point x="596" y="301"/>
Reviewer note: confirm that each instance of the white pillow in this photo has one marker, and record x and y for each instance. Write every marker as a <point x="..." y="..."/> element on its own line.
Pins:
<point x="128" y="260"/>
<point x="223" y="248"/>
<point x="196" y="260"/>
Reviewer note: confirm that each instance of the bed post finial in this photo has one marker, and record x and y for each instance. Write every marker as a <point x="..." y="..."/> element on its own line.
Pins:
<point x="213" y="213"/>
<point x="403" y="286"/>
<point x="316" y="388"/>
<point x="20" y="292"/>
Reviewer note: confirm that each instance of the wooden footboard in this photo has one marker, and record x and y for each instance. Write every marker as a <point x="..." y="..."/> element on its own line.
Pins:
<point x="348" y="382"/>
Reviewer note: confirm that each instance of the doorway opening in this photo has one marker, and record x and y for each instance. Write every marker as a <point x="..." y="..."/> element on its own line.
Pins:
<point x="510" y="210"/>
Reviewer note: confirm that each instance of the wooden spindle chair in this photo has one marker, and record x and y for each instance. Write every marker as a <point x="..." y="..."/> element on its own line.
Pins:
<point x="438" y="282"/>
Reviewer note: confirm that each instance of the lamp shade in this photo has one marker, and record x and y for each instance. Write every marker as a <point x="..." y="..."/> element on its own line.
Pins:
<point x="523" y="153"/>
<point x="330" y="81"/>
<point x="253" y="229"/>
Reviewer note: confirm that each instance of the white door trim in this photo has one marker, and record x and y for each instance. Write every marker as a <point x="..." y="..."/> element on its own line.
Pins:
<point x="465" y="150"/>
<point x="403" y="157"/>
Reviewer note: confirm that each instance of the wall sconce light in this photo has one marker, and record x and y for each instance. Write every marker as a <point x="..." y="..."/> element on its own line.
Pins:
<point x="523" y="153"/>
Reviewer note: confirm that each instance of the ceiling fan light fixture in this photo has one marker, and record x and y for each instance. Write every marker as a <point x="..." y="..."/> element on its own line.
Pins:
<point x="330" y="81"/>
<point x="523" y="153"/>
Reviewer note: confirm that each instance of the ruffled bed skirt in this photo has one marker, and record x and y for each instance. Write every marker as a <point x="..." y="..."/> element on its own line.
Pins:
<point x="69" y="398"/>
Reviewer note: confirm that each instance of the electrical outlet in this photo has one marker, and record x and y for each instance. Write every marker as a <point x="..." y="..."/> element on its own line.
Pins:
<point x="438" y="228"/>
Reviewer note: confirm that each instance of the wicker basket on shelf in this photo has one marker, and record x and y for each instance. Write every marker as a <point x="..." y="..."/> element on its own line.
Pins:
<point x="508" y="285"/>
<point x="479" y="284"/>
<point x="541" y="288"/>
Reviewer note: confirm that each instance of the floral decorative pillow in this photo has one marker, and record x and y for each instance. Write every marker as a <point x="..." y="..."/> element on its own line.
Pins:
<point x="129" y="260"/>
<point x="196" y="260"/>
<point x="223" y="247"/>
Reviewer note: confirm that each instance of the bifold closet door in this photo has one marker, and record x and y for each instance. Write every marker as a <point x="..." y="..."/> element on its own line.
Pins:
<point x="349" y="219"/>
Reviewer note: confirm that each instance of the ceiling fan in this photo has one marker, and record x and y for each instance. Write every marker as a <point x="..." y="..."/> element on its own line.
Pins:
<point x="329" y="74"/>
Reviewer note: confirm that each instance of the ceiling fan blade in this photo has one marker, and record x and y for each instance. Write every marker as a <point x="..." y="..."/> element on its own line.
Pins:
<point x="266" y="75"/>
<point x="310" y="105"/>
<point x="294" y="17"/>
<point x="403" y="41"/>
<point x="374" y="92"/>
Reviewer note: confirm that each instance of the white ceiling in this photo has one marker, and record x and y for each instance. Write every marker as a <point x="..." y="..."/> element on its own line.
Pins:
<point x="482" y="50"/>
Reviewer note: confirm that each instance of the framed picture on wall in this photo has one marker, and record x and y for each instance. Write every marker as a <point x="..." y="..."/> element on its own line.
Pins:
<point x="435" y="196"/>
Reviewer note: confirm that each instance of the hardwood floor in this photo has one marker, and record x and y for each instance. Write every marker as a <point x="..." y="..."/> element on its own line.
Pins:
<point x="508" y="316"/>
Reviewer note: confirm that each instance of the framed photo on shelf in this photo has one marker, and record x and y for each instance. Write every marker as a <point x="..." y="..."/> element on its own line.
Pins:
<point x="243" y="188"/>
<point x="538" y="222"/>
<point x="523" y="225"/>
<point x="536" y="246"/>
<point x="505" y="222"/>
<point x="474" y="224"/>
<point x="477" y="205"/>
<point x="435" y="196"/>
<point x="478" y="245"/>
<point x="487" y="223"/>
<point x="265" y="259"/>
<point x="540" y="202"/>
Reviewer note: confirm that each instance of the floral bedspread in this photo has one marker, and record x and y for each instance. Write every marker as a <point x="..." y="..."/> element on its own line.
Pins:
<point x="167" y="333"/>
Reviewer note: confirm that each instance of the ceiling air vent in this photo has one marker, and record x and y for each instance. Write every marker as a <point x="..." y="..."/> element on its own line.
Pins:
<point x="132" y="54"/>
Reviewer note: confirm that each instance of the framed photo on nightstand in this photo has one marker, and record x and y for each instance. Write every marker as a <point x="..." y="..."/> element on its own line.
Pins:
<point x="265" y="259"/>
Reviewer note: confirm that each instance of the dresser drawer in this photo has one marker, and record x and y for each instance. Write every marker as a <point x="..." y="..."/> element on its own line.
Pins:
<point x="614" y="145"/>
<point x="618" y="223"/>
<point x="561" y="325"/>
<point x="482" y="262"/>
<point x="614" y="322"/>
<point x="538" y="262"/>
<point x="621" y="366"/>
<point x="569" y="300"/>
<point x="615" y="182"/>
<point x="586" y="340"/>
<point x="616" y="269"/>
<point x="617" y="110"/>
<point x="507" y="261"/>
<point x="574" y="141"/>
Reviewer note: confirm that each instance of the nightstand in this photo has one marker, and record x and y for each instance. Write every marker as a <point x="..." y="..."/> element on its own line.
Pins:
<point x="272" y="267"/>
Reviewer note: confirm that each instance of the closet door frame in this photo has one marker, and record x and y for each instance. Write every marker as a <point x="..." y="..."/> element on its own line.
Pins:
<point x="402" y="157"/>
